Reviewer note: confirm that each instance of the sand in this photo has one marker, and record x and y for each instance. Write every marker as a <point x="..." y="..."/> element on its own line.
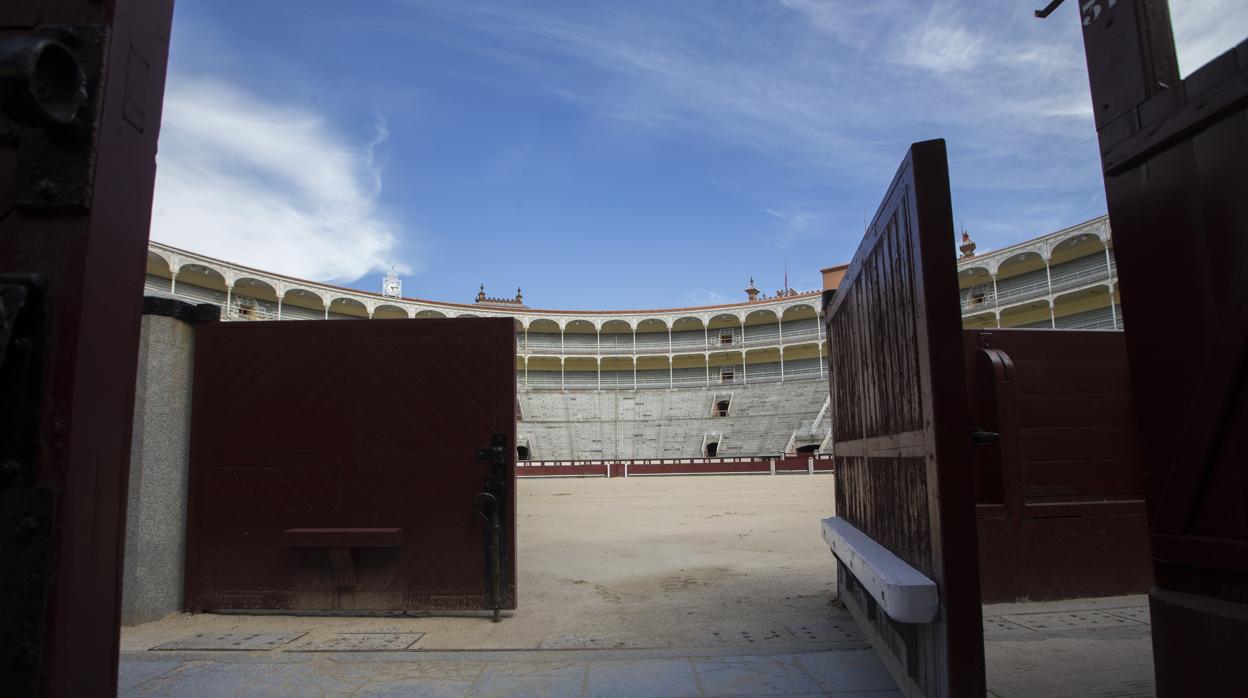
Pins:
<point x="658" y="562"/>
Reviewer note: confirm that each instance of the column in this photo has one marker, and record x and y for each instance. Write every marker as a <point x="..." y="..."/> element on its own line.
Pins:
<point x="669" y="343"/>
<point x="1113" y="311"/>
<point x="561" y="341"/>
<point x="326" y="311"/>
<point x="279" y="307"/>
<point x="526" y="364"/>
<point x="1109" y="274"/>
<point x="634" y="350"/>
<point x="526" y="348"/>
<point x="996" y="302"/>
<point x="561" y="360"/>
<point x="598" y="338"/>
<point x="671" y="372"/>
<point x="706" y="356"/>
<point x="706" y="337"/>
<point x="634" y="361"/>
<point x="598" y="359"/>
<point x="781" y="364"/>
<point x="173" y="282"/>
<point x="744" y="380"/>
<point x="1049" y="282"/>
<point x="229" y="288"/>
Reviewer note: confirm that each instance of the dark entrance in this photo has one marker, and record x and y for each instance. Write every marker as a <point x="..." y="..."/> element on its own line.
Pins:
<point x="336" y="466"/>
<point x="902" y="437"/>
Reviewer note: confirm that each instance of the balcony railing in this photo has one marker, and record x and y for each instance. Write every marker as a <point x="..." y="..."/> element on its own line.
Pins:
<point x="712" y="343"/>
<point x="986" y="300"/>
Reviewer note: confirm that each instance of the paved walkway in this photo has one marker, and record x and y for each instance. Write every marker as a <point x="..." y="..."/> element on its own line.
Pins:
<point x="661" y="673"/>
<point x="1089" y="647"/>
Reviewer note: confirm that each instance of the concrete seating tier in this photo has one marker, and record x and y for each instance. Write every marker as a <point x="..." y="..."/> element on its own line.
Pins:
<point x="667" y="423"/>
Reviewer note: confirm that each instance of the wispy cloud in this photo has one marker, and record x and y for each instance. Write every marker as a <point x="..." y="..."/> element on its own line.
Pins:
<point x="268" y="185"/>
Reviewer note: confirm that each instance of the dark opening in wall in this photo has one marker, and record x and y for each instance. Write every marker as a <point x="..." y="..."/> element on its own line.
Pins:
<point x="522" y="452"/>
<point x="712" y="448"/>
<point x="808" y="449"/>
<point x="721" y="408"/>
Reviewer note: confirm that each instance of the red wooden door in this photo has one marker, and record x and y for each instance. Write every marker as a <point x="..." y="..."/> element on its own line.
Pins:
<point x="335" y="465"/>
<point x="1173" y="154"/>
<point x="901" y="430"/>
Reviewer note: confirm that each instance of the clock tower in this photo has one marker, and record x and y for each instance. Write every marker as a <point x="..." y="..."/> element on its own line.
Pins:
<point x="391" y="286"/>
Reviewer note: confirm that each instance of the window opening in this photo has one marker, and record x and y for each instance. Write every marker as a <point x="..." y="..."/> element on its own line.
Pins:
<point x="808" y="449"/>
<point x="712" y="448"/>
<point x="522" y="452"/>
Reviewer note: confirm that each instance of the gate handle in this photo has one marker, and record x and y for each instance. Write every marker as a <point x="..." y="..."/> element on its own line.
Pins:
<point x="480" y="510"/>
<point x="984" y="438"/>
<point x="494" y="561"/>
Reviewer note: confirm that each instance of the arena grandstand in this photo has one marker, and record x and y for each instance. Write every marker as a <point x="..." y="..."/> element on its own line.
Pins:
<point x="737" y="381"/>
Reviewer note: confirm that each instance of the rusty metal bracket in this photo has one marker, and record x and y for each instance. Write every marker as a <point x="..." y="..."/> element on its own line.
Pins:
<point x="23" y="327"/>
<point x="490" y="506"/>
<point x="25" y="512"/>
<point x="1048" y="9"/>
<point x="49" y="82"/>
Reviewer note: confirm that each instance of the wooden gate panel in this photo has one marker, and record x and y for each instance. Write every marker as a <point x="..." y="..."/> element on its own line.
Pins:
<point x="1172" y="154"/>
<point x="346" y="426"/>
<point x="900" y="426"/>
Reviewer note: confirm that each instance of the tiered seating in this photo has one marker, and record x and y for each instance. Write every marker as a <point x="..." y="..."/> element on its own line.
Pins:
<point x="1078" y="272"/>
<point x="667" y="423"/>
<point x="1095" y="319"/>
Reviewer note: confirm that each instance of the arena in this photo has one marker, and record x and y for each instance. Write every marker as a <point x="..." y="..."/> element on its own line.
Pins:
<point x="744" y="380"/>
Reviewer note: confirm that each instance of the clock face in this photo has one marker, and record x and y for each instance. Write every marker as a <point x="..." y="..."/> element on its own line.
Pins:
<point x="391" y="287"/>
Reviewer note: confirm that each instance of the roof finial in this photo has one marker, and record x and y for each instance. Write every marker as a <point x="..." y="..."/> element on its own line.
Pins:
<point x="968" y="245"/>
<point x="751" y="292"/>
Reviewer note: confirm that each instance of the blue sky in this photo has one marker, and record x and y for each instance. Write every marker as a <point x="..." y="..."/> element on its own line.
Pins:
<point x="615" y="154"/>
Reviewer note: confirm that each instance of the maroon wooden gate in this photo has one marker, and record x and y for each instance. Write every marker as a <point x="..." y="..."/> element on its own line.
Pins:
<point x="336" y="466"/>
<point x="81" y="85"/>
<point x="901" y="429"/>
<point x="1173" y="153"/>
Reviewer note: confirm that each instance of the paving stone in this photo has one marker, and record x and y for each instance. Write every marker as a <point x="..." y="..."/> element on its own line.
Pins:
<point x="753" y="676"/>
<point x="642" y="678"/>
<point x="528" y="679"/>
<point x="132" y="674"/>
<point x="231" y="641"/>
<point x="356" y="642"/>
<point x="1070" y="620"/>
<point x="1139" y="614"/>
<point x="847" y="670"/>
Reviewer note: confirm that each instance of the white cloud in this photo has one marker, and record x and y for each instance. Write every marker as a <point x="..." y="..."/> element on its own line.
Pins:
<point x="940" y="44"/>
<point x="268" y="186"/>
<point x="1204" y="29"/>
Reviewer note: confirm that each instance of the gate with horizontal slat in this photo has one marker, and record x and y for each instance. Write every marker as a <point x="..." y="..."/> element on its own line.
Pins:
<point x="347" y="465"/>
<point x="902" y="438"/>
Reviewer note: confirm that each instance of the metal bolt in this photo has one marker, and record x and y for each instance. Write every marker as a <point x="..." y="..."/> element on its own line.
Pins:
<point x="9" y="470"/>
<point x="46" y="189"/>
<point x="26" y="526"/>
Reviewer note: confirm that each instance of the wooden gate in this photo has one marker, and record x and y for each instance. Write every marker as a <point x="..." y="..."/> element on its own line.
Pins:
<point x="81" y="86"/>
<point x="348" y="465"/>
<point x="1173" y="154"/>
<point x="902" y="440"/>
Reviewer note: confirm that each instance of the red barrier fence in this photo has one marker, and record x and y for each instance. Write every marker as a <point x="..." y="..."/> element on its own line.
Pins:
<point x="675" y="466"/>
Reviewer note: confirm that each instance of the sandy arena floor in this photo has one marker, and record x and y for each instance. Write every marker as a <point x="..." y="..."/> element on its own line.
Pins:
<point x="658" y="562"/>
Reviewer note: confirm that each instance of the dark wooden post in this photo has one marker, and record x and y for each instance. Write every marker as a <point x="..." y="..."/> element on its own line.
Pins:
<point x="81" y="86"/>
